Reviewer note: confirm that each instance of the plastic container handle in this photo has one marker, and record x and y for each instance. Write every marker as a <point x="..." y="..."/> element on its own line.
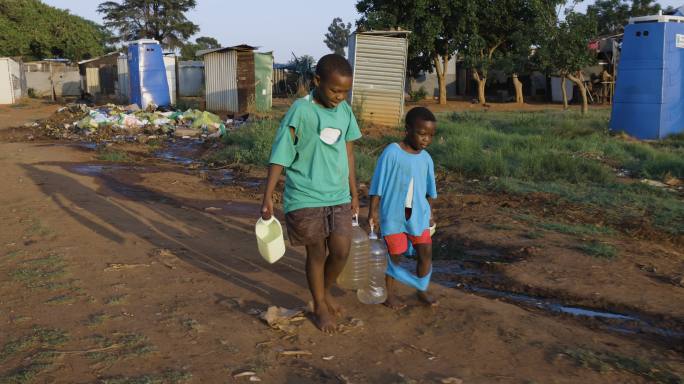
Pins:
<point x="355" y="220"/>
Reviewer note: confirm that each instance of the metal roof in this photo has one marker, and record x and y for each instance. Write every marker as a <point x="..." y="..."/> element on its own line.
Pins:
<point x="241" y="47"/>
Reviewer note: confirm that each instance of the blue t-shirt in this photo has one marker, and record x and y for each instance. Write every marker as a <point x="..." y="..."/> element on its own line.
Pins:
<point x="391" y="179"/>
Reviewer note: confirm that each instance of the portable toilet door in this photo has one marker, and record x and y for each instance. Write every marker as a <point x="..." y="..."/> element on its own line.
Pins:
<point x="10" y="81"/>
<point x="147" y="74"/>
<point x="263" y="72"/>
<point x="649" y="88"/>
<point x="170" y="67"/>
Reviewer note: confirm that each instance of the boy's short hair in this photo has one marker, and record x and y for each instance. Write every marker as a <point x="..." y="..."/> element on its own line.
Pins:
<point x="419" y="113"/>
<point x="333" y="63"/>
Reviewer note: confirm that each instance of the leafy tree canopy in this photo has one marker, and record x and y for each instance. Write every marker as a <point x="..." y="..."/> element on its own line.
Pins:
<point x="189" y="50"/>
<point x="162" y="20"/>
<point x="613" y="15"/>
<point x="337" y="36"/>
<point x="35" y="31"/>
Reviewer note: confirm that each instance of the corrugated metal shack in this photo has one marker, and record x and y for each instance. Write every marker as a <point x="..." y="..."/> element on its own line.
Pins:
<point x="10" y="81"/>
<point x="190" y="78"/>
<point x="229" y="75"/>
<point x="379" y="62"/>
<point x="100" y="75"/>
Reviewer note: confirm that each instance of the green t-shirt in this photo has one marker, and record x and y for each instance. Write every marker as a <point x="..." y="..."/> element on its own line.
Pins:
<point x="316" y="164"/>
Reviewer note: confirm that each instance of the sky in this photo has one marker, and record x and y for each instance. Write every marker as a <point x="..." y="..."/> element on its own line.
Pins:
<point x="284" y="27"/>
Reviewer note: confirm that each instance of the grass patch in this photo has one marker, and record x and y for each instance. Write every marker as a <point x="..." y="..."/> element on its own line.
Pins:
<point x="40" y="273"/>
<point x="61" y="299"/>
<point x="114" y="156"/>
<point x="533" y="235"/>
<point x="251" y="144"/>
<point x="38" y="229"/>
<point x="120" y="346"/>
<point x="13" y="254"/>
<point x="606" y="361"/>
<point x="168" y="377"/>
<point x="498" y="227"/>
<point x="97" y="319"/>
<point x="598" y="249"/>
<point x="25" y="374"/>
<point x="565" y="228"/>
<point x="38" y="338"/>
<point x="116" y="300"/>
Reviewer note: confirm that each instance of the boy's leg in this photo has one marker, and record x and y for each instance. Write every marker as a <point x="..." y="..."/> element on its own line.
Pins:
<point x="424" y="252"/>
<point x="338" y="247"/>
<point x="315" y="272"/>
<point x="392" y="300"/>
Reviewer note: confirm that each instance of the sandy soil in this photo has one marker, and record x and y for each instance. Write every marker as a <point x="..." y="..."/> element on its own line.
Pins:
<point x="151" y="270"/>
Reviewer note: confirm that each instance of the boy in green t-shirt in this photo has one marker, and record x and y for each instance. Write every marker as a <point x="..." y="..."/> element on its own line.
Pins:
<point x="314" y="144"/>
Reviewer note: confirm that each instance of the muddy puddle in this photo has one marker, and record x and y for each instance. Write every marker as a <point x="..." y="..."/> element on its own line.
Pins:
<point x="458" y="275"/>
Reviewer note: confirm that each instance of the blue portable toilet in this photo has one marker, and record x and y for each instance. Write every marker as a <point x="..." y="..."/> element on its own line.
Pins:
<point x="649" y="88"/>
<point x="147" y="74"/>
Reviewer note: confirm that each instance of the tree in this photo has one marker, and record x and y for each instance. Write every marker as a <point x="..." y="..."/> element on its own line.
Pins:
<point x="613" y="15"/>
<point x="436" y="26"/>
<point x="499" y="29"/>
<point x="189" y="50"/>
<point x="162" y="20"/>
<point x="304" y="66"/>
<point x="36" y="31"/>
<point x="566" y="50"/>
<point x="338" y="36"/>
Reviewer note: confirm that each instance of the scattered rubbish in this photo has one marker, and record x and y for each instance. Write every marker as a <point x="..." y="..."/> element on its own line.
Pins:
<point x="212" y="209"/>
<point x="351" y="325"/>
<point x="296" y="353"/>
<point x="76" y="121"/>
<point x="243" y="374"/>
<point x="254" y="378"/>
<point x="282" y="318"/>
<point x="328" y="358"/>
<point x="118" y="267"/>
<point x="654" y="183"/>
<point x="451" y="380"/>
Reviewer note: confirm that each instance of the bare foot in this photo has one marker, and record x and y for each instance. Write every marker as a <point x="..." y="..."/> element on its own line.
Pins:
<point x="324" y="320"/>
<point x="393" y="303"/>
<point x="426" y="299"/>
<point x="336" y="308"/>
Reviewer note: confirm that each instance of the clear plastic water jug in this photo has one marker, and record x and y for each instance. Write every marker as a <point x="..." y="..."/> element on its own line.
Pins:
<point x="375" y="291"/>
<point x="270" y="241"/>
<point x="355" y="272"/>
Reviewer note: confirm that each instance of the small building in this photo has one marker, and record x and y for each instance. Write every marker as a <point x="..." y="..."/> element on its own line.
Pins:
<point x="54" y="78"/>
<point x="263" y="75"/>
<point x="379" y="62"/>
<point x="99" y="75"/>
<point x="649" y="88"/>
<point x="229" y="78"/>
<point x="10" y="81"/>
<point x="190" y="78"/>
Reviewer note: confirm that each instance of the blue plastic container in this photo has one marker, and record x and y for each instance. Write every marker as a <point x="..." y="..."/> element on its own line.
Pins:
<point x="649" y="90"/>
<point x="147" y="74"/>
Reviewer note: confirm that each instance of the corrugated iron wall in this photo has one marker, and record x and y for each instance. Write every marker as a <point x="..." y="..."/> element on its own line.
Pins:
<point x="379" y="77"/>
<point x="220" y="74"/>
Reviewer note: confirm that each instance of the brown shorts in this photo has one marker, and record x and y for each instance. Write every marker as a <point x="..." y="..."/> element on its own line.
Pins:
<point x="311" y="225"/>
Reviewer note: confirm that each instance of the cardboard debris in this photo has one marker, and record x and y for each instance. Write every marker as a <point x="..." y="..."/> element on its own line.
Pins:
<point x="282" y="318"/>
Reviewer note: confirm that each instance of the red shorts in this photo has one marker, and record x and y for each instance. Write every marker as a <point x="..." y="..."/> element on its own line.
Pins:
<point x="397" y="243"/>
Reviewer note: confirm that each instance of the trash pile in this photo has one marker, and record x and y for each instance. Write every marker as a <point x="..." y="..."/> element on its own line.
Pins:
<point x="76" y="121"/>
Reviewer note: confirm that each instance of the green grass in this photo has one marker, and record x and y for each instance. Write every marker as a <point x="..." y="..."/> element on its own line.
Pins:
<point x="38" y="338"/>
<point x="116" y="300"/>
<point x="606" y="361"/>
<point x="168" y="377"/>
<point x="120" y="346"/>
<point x="565" y="228"/>
<point x="27" y="373"/>
<point x="114" y="156"/>
<point x="563" y="153"/>
<point x="598" y="249"/>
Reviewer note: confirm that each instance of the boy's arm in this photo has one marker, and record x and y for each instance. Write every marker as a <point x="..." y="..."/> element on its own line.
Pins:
<point x="432" y="217"/>
<point x="274" y="172"/>
<point x="352" y="178"/>
<point x="373" y="217"/>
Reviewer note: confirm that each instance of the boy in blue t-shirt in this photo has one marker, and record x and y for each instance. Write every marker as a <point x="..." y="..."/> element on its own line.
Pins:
<point x="314" y="145"/>
<point x="403" y="187"/>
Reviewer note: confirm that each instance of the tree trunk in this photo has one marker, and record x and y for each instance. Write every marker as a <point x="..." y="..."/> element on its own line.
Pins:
<point x="565" y="93"/>
<point x="441" y="78"/>
<point x="519" y="98"/>
<point x="583" y="90"/>
<point x="481" y="82"/>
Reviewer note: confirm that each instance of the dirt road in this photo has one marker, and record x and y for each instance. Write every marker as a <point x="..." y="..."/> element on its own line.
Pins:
<point x="145" y="271"/>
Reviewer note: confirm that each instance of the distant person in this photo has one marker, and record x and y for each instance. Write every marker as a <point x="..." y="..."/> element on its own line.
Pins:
<point x="401" y="194"/>
<point x="314" y="145"/>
